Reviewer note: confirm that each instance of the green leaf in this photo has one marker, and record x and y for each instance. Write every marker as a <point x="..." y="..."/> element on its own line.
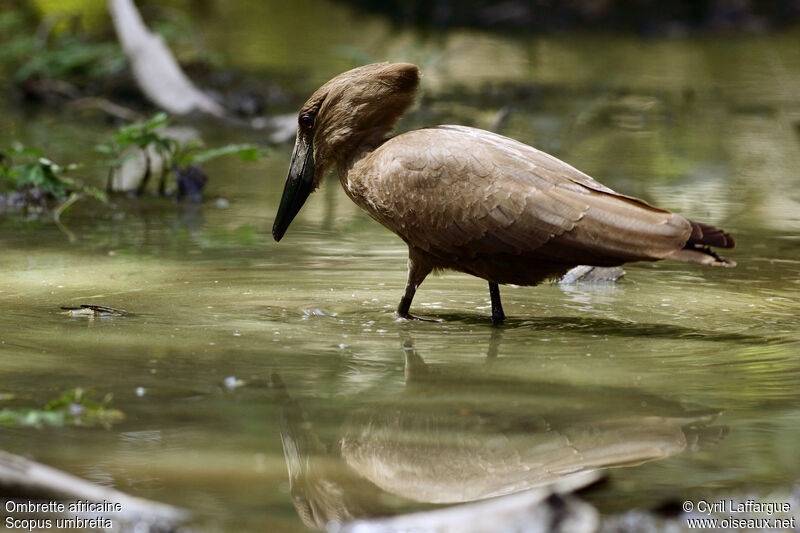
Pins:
<point x="156" y="121"/>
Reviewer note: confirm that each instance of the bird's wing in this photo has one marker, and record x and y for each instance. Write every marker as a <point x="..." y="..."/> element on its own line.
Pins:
<point x="453" y="190"/>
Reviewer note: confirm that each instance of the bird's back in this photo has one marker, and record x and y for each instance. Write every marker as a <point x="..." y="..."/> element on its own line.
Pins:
<point x="491" y="206"/>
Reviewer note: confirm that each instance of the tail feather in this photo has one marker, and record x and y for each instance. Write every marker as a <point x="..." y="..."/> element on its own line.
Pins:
<point x="703" y="234"/>
<point x="698" y="247"/>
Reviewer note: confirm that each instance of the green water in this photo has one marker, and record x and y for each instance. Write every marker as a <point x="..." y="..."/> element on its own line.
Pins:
<point x="689" y="371"/>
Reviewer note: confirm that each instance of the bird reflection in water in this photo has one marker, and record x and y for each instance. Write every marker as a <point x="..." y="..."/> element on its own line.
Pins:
<point x="466" y="433"/>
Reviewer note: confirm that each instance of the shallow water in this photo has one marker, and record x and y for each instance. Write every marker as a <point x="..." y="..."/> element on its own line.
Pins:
<point x="687" y="372"/>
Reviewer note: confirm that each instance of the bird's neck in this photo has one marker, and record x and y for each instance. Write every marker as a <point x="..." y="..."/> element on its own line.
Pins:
<point x="358" y="151"/>
<point x="353" y="172"/>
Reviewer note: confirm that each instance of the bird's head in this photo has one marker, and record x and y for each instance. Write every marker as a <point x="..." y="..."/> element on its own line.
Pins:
<point x="355" y="109"/>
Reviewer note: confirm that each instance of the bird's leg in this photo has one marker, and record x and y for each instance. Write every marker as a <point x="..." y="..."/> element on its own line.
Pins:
<point x="418" y="269"/>
<point x="405" y="301"/>
<point x="498" y="316"/>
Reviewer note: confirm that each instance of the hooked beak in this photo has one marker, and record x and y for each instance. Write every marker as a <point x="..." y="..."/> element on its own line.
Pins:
<point x="298" y="186"/>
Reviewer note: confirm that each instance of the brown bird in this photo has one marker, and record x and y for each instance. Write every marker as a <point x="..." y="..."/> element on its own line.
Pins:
<point x="469" y="200"/>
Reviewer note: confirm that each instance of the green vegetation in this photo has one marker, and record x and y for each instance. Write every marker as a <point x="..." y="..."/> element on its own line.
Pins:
<point x="145" y="135"/>
<point x="73" y="408"/>
<point x="31" y="180"/>
<point x="69" y="56"/>
<point x="56" y="55"/>
<point x="141" y="135"/>
<point x="36" y="180"/>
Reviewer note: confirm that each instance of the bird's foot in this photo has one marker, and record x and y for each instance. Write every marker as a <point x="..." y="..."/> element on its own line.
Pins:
<point x="409" y="316"/>
<point x="498" y="318"/>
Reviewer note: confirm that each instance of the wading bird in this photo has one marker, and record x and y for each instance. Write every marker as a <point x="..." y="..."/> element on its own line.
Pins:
<point x="469" y="200"/>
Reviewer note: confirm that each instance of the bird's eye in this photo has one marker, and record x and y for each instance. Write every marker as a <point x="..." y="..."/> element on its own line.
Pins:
<point x="306" y="122"/>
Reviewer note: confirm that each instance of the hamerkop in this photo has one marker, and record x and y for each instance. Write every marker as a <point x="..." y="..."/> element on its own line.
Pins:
<point x="469" y="200"/>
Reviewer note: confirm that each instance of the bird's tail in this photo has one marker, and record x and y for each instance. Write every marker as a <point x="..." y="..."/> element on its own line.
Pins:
<point x="698" y="248"/>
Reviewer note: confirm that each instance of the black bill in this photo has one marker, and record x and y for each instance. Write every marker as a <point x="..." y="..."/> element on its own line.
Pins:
<point x="298" y="186"/>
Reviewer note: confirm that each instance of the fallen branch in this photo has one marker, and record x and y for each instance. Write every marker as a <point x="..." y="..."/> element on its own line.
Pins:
<point x="155" y="69"/>
<point x="23" y="479"/>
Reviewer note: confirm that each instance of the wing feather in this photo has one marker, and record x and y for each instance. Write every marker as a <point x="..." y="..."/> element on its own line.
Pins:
<point x="460" y="192"/>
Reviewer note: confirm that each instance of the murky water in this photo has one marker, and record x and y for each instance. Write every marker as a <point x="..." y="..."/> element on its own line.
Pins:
<point x="239" y="350"/>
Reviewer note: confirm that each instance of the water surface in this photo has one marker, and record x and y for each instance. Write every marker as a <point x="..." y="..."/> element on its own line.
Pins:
<point x="687" y="372"/>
